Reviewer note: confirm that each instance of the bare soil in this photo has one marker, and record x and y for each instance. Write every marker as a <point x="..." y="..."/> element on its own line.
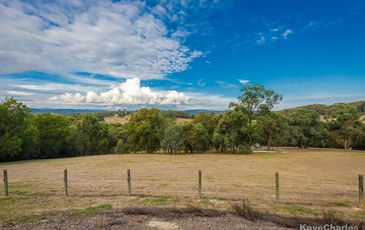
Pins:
<point x="149" y="218"/>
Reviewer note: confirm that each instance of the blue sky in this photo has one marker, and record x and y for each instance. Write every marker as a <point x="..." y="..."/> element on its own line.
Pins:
<point x="180" y="54"/>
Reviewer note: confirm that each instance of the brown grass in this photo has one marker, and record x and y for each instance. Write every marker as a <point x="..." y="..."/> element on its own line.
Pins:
<point x="310" y="180"/>
<point x="116" y="119"/>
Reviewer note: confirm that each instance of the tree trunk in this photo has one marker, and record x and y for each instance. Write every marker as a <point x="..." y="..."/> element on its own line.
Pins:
<point x="190" y="149"/>
<point x="269" y="143"/>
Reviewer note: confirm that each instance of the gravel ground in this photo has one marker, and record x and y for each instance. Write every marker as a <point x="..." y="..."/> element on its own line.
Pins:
<point x="148" y="218"/>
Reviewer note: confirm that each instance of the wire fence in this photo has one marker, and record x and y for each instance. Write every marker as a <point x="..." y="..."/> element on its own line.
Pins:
<point x="193" y="185"/>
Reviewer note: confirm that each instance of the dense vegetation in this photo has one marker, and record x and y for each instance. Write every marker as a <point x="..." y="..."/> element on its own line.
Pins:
<point x="24" y="135"/>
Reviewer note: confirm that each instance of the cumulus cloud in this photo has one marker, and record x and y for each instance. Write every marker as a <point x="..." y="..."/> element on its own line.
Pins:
<point x="129" y="92"/>
<point x="122" y="39"/>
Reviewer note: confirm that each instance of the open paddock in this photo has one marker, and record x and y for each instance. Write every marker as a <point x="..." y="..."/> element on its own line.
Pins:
<point x="310" y="180"/>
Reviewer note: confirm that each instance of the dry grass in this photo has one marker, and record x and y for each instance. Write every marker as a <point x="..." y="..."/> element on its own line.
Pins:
<point x="125" y="120"/>
<point x="310" y="181"/>
<point x="116" y="119"/>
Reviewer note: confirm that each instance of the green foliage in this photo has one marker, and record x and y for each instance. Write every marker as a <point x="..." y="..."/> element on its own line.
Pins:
<point x="345" y="124"/>
<point x="16" y="133"/>
<point x="27" y="136"/>
<point x="145" y="130"/>
<point x="209" y="121"/>
<point x="89" y="136"/>
<point x="53" y="131"/>
<point x="174" y="139"/>
<point x="272" y="129"/>
<point x="199" y="138"/>
<point x="255" y="100"/>
<point x="176" y="114"/>
<point x="229" y="133"/>
<point x="196" y="137"/>
<point x="305" y="127"/>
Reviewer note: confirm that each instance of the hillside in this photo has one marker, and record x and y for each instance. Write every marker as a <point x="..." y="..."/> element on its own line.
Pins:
<point x="323" y="109"/>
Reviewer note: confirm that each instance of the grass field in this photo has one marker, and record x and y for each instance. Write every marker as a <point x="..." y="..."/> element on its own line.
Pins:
<point x="310" y="181"/>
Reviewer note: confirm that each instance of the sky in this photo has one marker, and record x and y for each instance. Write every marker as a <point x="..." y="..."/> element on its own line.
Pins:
<point x="180" y="54"/>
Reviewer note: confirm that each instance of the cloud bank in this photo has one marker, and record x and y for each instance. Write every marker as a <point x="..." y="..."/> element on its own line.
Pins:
<point x="122" y="39"/>
<point x="129" y="92"/>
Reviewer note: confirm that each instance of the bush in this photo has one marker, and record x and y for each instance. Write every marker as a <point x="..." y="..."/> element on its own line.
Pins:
<point x="121" y="147"/>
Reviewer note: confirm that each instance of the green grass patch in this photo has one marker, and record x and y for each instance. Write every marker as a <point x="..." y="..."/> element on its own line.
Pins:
<point x="294" y="209"/>
<point x="7" y="201"/>
<point x="155" y="201"/>
<point x="18" y="188"/>
<point x="361" y="214"/>
<point x="209" y="178"/>
<point x="340" y="203"/>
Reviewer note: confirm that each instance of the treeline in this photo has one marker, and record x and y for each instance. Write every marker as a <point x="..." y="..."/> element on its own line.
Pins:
<point x="30" y="136"/>
<point x="327" y="109"/>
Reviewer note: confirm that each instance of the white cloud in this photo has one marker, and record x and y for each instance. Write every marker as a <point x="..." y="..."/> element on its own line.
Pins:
<point x="19" y="93"/>
<point x="243" y="82"/>
<point x="122" y="39"/>
<point x="129" y="92"/>
<point x="286" y="33"/>
<point x="226" y="85"/>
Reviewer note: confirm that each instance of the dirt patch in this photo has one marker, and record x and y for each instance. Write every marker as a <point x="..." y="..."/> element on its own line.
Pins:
<point x="163" y="225"/>
<point x="148" y="218"/>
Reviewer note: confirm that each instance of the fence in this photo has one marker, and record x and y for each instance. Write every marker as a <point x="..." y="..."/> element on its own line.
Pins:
<point x="137" y="186"/>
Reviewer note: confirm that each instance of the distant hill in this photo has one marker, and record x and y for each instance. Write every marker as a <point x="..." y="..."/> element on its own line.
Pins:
<point x="323" y="109"/>
<point x="63" y="111"/>
<point x="75" y="111"/>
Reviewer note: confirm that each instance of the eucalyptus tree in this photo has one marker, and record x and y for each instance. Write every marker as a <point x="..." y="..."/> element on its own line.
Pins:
<point x="256" y="100"/>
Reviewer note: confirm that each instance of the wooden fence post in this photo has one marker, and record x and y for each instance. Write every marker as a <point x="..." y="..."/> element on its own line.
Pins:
<point x="129" y="182"/>
<point x="277" y="186"/>
<point x="200" y="182"/>
<point x="361" y="188"/>
<point x="6" y="185"/>
<point x="65" y="180"/>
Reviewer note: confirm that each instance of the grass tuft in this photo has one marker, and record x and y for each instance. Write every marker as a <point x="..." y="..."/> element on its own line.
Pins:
<point x="245" y="210"/>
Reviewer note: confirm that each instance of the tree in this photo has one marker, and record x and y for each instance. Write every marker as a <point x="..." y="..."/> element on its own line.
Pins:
<point x="345" y="124"/>
<point x="119" y="137"/>
<point x="209" y="121"/>
<point x="89" y="136"/>
<point x="305" y="127"/>
<point x="145" y="130"/>
<point x="16" y="134"/>
<point x="272" y="129"/>
<point x="196" y="137"/>
<point x="255" y="100"/>
<point x="53" y="131"/>
<point x="174" y="139"/>
<point x="230" y="132"/>
<point x="199" y="138"/>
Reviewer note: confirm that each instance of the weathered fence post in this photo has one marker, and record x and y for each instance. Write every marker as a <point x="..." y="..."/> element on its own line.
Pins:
<point x="65" y="180"/>
<point x="6" y="185"/>
<point x="277" y="186"/>
<point x="200" y="182"/>
<point x="129" y="182"/>
<point x="361" y="188"/>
